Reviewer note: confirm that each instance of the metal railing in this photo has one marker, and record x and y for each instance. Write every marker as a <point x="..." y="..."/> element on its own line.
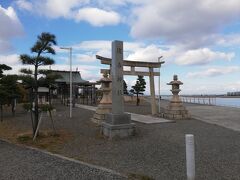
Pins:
<point x="209" y="100"/>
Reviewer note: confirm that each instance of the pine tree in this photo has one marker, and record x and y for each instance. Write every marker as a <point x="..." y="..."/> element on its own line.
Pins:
<point x="10" y="85"/>
<point x="125" y="91"/>
<point x="43" y="45"/>
<point x="3" y="92"/>
<point x="4" y="67"/>
<point x="139" y="88"/>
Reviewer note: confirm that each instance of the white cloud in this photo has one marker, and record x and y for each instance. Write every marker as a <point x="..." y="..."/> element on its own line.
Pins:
<point x="5" y="46"/>
<point x="183" y="21"/>
<point x="111" y="3"/>
<point x="24" y="5"/>
<point x="212" y="72"/>
<point x="202" y="56"/>
<point x="102" y="44"/>
<point x="138" y="51"/>
<point x="132" y="50"/>
<point x="10" y="27"/>
<point x="93" y="45"/>
<point x="88" y="58"/>
<point x="132" y="46"/>
<point x="234" y="86"/>
<point x="12" y="59"/>
<point x="149" y="53"/>
<point x="97" y="17"/>
<point x="72" y="9"/>
<point x="58" y="8"/>
<point x="228" y="40"/>
<point x="210" y="88"/>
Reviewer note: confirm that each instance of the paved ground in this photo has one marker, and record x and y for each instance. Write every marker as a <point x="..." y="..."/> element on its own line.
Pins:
<point x="228" y="117"/>
<point x="146" y="119"/>
<point x="23" y="163"/>
<point x="157" y="150"/>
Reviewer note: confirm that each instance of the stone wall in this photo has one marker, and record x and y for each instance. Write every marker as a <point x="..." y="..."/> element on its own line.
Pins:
<point x="131" y="98"/>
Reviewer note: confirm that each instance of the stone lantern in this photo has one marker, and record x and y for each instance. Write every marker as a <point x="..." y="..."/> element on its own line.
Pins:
<point x="175" y="109"/>
<point x="175" y="89"/>
<point x="105" y="105"/>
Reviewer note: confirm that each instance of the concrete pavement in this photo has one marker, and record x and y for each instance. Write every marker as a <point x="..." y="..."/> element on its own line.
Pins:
<point x="135" y="117"/>
<point x="228" y="117"/>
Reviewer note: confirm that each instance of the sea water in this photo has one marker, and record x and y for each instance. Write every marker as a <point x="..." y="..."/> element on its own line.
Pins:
<point x="230" y="102"/>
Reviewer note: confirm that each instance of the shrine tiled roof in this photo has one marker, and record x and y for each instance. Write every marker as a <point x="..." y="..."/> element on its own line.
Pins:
<point x="65" y="76"/>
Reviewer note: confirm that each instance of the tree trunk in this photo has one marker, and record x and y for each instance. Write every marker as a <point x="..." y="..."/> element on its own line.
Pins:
<point x="13" y="107"/>
<point x="1" y="112"/>
<point x="31" y="108"/>
<point x="138" y="100"/>
<point x="35" y="101"/>
<point x="50" y="95"/>
<point x="50" y="114"/>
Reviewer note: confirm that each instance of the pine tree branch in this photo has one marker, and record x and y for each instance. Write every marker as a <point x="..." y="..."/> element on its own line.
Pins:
<point x="43" y="61"/>
<point x="26" y="71"/>
<point x="26" y="59"/>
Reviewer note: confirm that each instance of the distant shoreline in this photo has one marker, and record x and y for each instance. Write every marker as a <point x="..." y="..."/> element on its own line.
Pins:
<point x="199" y="96"/>
<point x="212" y="96"/>
<point x="228" y="96"/>
<point x="207" y="96"/>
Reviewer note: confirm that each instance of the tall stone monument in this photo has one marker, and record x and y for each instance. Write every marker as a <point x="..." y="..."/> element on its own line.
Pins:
<point x="117" y="123"/>
<point x="175" y="109"/>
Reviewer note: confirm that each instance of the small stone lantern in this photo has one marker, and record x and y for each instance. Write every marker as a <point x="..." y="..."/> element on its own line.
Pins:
<point x="105" y="105"/>
<point x="175" y="109"/>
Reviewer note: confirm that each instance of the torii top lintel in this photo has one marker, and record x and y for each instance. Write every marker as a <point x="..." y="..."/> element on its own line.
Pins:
<point x="105" y="60"/>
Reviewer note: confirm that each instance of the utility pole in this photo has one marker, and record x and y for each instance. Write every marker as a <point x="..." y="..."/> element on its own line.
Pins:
<point x="70" y="79"/>
<point x="159" y="96"/>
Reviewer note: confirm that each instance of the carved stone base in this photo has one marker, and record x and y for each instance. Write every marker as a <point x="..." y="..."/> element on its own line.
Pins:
<point x="118" y="126"/>
<point x="176" y="111"/>
<point x="100" y="113"/>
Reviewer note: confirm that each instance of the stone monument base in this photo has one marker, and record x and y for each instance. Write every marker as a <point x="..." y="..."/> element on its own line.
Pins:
<point x="118" y="126"/>
<point x="176" y="111"/>
<point x="100" y="113"/>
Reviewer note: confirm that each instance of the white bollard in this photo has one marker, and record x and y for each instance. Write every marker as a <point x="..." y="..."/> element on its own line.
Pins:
<point x="190" y="156"/>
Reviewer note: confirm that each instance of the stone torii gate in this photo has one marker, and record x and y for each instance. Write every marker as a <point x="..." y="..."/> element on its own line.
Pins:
<point x="132" y="72"/>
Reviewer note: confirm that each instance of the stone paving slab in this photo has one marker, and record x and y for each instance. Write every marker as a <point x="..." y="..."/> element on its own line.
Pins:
<point x="91" y="108"/>
<point x="148" y="119"/>
<point x="135" y="117"/>
<point x="18" y="162"/>
<point x="228" y="117"/>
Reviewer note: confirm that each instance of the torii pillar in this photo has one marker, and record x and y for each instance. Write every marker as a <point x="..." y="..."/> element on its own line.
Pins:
<point x="152" y="91"/>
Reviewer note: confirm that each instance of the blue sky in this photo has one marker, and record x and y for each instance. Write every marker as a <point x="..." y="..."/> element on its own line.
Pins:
<point x="199" y="40"/>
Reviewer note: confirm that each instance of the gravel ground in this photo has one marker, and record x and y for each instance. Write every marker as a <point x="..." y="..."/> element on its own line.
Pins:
<point x="157" y="150"/>
<point x="23" y="163"/>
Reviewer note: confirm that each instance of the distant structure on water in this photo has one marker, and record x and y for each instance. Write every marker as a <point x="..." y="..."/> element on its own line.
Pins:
<point x="237" y="93"/>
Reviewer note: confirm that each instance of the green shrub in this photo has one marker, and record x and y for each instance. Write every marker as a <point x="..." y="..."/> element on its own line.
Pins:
<point x="27" y="106"/>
